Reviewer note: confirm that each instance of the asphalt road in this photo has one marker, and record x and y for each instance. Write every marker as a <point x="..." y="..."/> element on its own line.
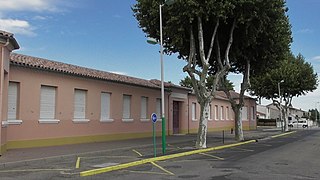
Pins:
<point x="295" y="156"/>
<point x="290" y="157"/>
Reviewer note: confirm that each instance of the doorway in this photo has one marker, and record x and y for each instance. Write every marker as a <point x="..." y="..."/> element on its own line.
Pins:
<point x="176" y="121"/>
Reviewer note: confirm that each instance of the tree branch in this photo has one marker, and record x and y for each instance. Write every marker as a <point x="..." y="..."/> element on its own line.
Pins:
<point x="226" y="55"/>
<point x="213" y="39"/>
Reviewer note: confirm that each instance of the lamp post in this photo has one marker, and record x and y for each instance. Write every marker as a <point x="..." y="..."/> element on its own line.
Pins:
<point x="316" y="113"/>
<point x="154" y="41"/>
<point x="280" y="107"/>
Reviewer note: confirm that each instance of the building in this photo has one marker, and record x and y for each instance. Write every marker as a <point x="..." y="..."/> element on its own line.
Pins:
<point x="48" y="103"/>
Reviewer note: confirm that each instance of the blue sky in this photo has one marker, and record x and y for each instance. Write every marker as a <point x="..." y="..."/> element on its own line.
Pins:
<point x="104" y="35"/>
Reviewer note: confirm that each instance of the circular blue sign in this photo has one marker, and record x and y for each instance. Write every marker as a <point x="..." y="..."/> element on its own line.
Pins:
<point x="153" y="117"/>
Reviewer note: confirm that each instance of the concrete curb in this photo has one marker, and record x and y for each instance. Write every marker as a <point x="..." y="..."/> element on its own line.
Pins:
<point x="283" y="134"/>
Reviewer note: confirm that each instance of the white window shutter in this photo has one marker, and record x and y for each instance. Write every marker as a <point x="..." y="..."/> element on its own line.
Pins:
<point x="79" y="104"/>
<point x="244" y="113"/>
<point x="126" y="106"/>
<point x="105" y="106"/>
<point x="193" y="111"/>
<point x="144" y="103"/>
<point x="12" y="100"/>
<point x="47" y="102"/>
<point x="158" y="110"/>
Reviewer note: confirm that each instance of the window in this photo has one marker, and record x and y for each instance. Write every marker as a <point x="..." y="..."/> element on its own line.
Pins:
<point x="252" y="113"/>
<point x="227" y="113"/>
<point x="244" y="113"/>
<point x="221" y="113"/>
<point x="144" y="108"/>
<point x="13" y="99"/>
<point x="158" y="106"/>
<point x="193" y="111"/>
<point x="216" y="113"/>
<point x="126" y="108"/>
<point x="105" y="107"/>
<point x="48" y="104"/>
<point x="80" y="105"/>
<point x="209" y="113"/>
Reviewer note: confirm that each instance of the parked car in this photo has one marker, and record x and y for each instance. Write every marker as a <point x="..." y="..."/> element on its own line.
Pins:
<point x="300" y="123"/>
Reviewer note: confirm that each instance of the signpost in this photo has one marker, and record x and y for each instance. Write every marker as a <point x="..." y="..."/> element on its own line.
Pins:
<point x="154" y="120"/>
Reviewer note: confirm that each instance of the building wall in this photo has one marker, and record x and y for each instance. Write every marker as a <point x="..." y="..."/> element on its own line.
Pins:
<point x="219" y="119"/>
<point x="32" y="133"/>
<point x="30" y="81"/>
<point x="4" y="69"/>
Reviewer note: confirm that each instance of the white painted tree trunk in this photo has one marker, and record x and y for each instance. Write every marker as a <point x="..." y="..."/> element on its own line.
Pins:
<point x="285" y="120"/>
<point x="203" y="126"/>
<point x="238" y="124"/>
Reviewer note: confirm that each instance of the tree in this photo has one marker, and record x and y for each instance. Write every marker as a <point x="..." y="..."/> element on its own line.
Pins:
<point x="314" y="114"/>
<point x="202" y="32"/>
<point x="186" y="82"/>
<point x="295" y="78"/>
<point x="269" y="41"/>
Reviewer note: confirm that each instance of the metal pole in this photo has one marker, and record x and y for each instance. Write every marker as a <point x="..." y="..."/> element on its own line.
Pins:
<point x="162" y="87"/>
<point x="154" y="139"/>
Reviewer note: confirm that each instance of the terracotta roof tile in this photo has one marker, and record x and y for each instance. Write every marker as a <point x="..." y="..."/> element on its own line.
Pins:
<point x="4" y="33"/>
<point x="49" y="65"/>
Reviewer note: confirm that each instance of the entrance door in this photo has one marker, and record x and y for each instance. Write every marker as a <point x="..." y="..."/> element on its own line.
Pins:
<point x="175" y="117"/>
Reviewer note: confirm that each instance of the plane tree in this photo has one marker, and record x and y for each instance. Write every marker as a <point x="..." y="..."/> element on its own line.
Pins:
<point x="211" y="36"/>
<point x="294" y="77"/>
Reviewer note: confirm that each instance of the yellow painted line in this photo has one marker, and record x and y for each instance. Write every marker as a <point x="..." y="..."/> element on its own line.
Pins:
<point x="160" y="158"/>
<point x="92" y="157"/>
<point x="248" y="150"/>
<point x="32" y="170"/>
<point x="163" y="169"/>
<point x="283" y="134"/>
<point x="146" y="172"/>
<point x="137" y="152"/>
<point x="78" y="163"/>
<point x="209" y="155"/>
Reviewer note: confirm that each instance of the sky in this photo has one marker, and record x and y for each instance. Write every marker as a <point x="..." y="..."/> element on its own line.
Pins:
<point x="104" y="35"/>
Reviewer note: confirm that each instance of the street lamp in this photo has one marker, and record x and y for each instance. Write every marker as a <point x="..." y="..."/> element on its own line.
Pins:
<point x="154" y="41"/>
<point x="316" y="112"/>
<point x="280" y="107"/>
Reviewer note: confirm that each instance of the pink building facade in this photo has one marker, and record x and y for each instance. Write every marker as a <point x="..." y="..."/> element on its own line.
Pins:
<point x="49" y="103"/>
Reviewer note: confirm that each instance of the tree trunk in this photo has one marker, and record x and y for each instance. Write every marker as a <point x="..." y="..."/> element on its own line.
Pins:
<point x="238" y="124"/>
<point x="203" y="126"/>
<point x="285" y="120"/>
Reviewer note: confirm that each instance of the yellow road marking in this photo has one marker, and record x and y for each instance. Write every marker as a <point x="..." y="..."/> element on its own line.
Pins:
<point x="92" y="157"/>
<point x="283" y="134"/>
<point x="160" y="158"/>
<point x="209" y="155"/>
<point x="32" y="170"/>
<point x="137" y="152"/>
<point x="78" y="163"/>
<point x="163" y="169"/>
<point x="249" y="150"/>
<point x="146" y="172"/>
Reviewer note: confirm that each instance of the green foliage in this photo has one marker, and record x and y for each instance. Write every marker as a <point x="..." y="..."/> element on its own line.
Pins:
<point x="314" y="114"/>
<point x="262" y="33"/>
<point x="186" y="82"/>
<point x="298" y="78"/>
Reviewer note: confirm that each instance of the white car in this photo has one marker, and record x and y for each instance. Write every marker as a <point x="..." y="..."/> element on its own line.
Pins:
<point x="299" y="124"/>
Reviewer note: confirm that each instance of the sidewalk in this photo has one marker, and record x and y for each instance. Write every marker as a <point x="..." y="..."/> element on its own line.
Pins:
<point x="183" y="141"/>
